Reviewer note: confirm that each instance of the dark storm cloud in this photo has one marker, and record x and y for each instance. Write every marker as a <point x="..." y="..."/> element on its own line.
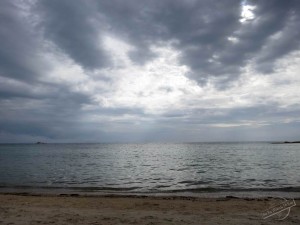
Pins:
<point x="202" y="28"/>
<point x="74" y="27"/>
<point x="272" y="18"/>
<point x="18" y="44"/>
<point x="199" y="29"/>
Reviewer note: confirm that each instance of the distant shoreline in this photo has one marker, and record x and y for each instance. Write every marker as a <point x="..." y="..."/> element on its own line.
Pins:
<point x="287" y="142"/>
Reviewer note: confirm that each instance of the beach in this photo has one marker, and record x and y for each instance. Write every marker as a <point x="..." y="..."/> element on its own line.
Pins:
<point x="147" y="184"/>
<point x="110" y="209"/>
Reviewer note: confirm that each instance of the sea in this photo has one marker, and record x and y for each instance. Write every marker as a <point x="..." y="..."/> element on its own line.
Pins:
<point x="254" y="169"/>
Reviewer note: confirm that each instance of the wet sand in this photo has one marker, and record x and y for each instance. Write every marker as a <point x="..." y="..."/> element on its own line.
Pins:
<point x="141" y="210"/>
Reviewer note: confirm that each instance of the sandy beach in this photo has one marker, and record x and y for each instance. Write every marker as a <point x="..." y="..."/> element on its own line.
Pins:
<point x="62" y="209"/>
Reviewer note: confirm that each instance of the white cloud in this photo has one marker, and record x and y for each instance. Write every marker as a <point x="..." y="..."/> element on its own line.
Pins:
<point x="162" y="85"/>
<point x="232" y="39"/>
<point x="247" y="12"/>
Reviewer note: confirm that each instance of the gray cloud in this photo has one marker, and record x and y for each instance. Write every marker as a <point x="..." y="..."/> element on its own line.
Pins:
<point x="18" y="57"/>
<point x="74" y="28"/>
<point x="211" y="40"/>
<point x="201" y="29"/>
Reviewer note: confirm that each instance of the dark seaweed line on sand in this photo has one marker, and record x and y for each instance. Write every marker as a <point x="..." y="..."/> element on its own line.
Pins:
<point x="136" y="189"/>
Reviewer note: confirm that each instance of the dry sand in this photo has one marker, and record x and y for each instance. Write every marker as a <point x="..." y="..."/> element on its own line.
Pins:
<point x="30" y="209"/>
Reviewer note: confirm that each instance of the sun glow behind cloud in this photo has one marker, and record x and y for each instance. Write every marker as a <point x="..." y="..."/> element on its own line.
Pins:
<point x="247" y="13"/>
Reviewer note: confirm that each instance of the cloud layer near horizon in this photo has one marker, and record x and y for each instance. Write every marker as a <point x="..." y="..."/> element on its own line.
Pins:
<point x="171" y="70"/>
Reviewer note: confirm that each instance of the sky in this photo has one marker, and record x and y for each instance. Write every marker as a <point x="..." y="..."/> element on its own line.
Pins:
<point x="155" y="70"/>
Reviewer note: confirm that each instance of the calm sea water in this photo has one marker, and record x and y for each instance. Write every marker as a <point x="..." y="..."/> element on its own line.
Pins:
<point x="154" y="168"/>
